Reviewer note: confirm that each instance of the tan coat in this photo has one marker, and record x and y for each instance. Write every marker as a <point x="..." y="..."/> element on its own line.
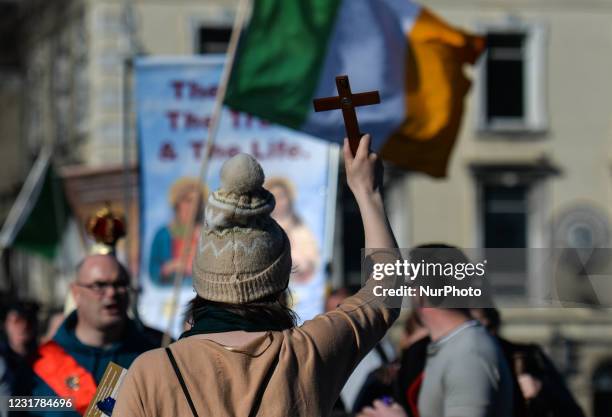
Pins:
<point x="297" y="372"/>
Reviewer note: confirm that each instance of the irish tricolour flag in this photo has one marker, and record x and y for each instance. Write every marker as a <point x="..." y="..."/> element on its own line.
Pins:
<point x="292" y="50"/>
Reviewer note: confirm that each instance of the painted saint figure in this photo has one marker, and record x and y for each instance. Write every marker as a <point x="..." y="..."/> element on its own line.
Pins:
<point x="304" y="248"/>
<point x="187" y="196"/>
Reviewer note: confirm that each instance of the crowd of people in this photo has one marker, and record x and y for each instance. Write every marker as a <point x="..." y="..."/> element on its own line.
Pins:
<point x="459" y="366"/>
<point x="243" y="353"/>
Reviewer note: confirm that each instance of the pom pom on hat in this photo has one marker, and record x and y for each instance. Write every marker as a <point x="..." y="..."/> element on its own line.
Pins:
<point x="241" y="174"/>
<point x="241" y="199"/>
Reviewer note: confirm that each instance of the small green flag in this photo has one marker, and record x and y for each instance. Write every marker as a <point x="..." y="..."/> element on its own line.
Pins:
<point x="38" y="218"/>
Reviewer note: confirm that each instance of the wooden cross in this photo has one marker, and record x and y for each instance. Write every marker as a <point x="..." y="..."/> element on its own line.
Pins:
<point x="347" y="101"/>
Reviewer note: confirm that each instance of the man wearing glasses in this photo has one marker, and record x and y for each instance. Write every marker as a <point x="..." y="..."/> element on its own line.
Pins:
<point x="99" y="331"/>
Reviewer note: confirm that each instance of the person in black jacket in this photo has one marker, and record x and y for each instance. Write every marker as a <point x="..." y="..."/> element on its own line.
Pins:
<point x="413" y="345"/>
<point x="539" y="389"/>
<point x="18" y="345"/>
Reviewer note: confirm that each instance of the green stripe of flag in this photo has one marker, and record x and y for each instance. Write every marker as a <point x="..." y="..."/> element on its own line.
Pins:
<point x="43" y="230"/>
<point x="282" y="94"/>
<point x="39" y="216"/>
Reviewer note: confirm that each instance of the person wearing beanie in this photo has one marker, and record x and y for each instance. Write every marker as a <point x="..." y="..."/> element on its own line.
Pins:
<point x="245" y="355"/>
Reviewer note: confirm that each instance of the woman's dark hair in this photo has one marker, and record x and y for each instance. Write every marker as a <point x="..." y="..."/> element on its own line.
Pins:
<point x="272" y="309"/>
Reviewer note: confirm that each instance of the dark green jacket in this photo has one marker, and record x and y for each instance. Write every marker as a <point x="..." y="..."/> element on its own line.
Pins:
<point x="91" y="358"/>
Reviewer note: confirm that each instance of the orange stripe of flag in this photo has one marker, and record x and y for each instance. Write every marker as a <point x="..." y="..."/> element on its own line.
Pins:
<point x="435" y="89"/>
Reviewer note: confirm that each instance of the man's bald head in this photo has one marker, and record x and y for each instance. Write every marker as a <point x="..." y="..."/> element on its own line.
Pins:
<point x="94" y="261"/>
<point x="101" y="291"/>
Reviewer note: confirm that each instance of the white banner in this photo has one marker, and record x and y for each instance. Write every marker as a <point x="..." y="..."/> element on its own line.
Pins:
<point x="174" y="99"/>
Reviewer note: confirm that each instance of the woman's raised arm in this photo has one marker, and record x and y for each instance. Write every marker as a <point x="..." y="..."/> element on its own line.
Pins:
<point x="364" y="174"/>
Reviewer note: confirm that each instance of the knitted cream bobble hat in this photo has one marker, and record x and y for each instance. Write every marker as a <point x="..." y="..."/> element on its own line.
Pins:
<point x="243" y="254"/>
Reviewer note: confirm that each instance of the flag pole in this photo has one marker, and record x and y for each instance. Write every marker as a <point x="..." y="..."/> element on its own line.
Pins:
<point x="179" y="276"/>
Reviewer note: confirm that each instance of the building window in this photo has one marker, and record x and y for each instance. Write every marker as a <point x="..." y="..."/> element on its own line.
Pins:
<point x="511" y="82"/>
<point x="505" y="77"/>
<point x="505" y="225"/>
<point x="213" y="40"/>
<point x="505" y="216"/>
<point x="512" y="202"/>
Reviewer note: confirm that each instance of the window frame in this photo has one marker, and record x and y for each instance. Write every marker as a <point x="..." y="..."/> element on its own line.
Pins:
<point x="536" y="178"/>
<point x="214" y="16"/>
<point x="536" y="115"/>
<point x="198" y="40"/>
